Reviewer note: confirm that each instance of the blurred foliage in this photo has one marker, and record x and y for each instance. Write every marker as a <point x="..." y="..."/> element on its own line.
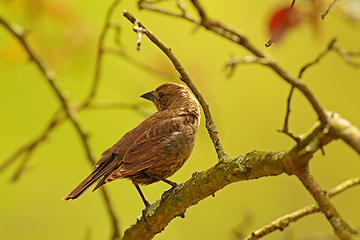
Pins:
<point x="247" y="109"/>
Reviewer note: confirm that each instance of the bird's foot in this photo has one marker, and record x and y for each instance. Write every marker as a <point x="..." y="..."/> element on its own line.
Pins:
<point x="144" y="211"/>
<point x="167" y="192"/>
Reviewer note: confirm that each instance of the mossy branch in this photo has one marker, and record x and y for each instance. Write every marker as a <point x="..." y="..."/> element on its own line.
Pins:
<point x="252" y="165"/>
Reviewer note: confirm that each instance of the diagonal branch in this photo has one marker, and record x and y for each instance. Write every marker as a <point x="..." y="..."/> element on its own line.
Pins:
<point x="240" y="39"/>
<point x="19" y="35"/>
<point x="186" y="79"/>
<point x="252" y="165"/>
<point x="346" y="55"/>
<point x="341" y="228"/>
<point x="58" y="119"/>
<point x="100" y="52"/>
<point x="136" y="62"/>
<point x="70" y="112"/>
<point x="323" y="15"/>
<point x="284" y="221"/>
<point x="285" y="128"/>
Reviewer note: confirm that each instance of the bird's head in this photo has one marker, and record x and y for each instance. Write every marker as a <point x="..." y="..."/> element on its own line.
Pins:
<point x="172" y="96"/>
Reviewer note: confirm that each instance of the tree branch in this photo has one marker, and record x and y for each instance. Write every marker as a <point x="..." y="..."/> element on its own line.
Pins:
<point x="70" y="112"/>
<point x="323" y="15"/>
<point x="252" y="165"/>
<point x="58" y="119"/>
<point x="347" y="132"/>
<point x="99" y="53"/>
<point x="284" y="221"/>
<point x="341" y="228"/>
<point x="210" y="125"/>
<point x="285" y="128"/>
<point x="240" y="39"/>
<point x="139" y="64"/>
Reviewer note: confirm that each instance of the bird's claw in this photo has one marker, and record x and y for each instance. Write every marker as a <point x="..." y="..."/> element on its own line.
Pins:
<point x="167" y="192"/>
<point x="144" y="211"/>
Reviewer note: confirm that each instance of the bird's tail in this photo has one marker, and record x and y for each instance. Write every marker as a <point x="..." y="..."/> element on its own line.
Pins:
<point x="102" y="170"/>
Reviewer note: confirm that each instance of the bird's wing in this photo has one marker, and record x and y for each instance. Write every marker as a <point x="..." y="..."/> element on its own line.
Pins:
<point x="120" y="147"/>
<point x="150" y="147"/>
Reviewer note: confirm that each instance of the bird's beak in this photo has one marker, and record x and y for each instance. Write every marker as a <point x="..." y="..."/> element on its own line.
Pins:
<point x="149" y="96"/>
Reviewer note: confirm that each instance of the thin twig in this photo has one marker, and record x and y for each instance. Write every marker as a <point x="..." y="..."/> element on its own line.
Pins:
<point x="292" y="3"/>
<point x="240" y="39"/>
<point x="323" y="15"/>
<point x="284" y="221"/>
<point x="70" y="112"/>
<point x="186" y="79"/>
<point x="341" y="228"/>
<point x="148" y="6"/>
<point x="136" y="62"/>
<point x="22" y="167"/>
<point x="329" y="47"/>
<point x="99" y="52"/>
<point x="347" y="56"/>
<point x="285" y="128"/>
<point x="58" y="119"/>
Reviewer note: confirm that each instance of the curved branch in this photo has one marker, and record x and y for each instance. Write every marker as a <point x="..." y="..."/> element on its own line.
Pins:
<point x="70" y="112"/>
<point x="282" y="222"/>
<point x="99" y="53"/>
<point x="58" y="119"/>
<point x="341" y="228"/>
<point x="210" y="125"/>
<point x="240" y="39"/>
<point x="252" y="165"/>
<point x="347" y="132"/>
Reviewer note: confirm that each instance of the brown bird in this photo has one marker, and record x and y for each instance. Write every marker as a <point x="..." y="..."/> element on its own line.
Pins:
<point x="156" y="148"/>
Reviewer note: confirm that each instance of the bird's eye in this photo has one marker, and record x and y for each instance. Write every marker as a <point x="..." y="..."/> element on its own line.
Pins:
<point x="161" y="94"/>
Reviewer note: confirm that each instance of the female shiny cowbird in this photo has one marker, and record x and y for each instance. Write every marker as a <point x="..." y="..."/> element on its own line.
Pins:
<point x="156" y="148"/>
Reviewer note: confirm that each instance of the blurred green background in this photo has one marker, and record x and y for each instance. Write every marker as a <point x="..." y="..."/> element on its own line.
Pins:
<point x="247" y="109"/>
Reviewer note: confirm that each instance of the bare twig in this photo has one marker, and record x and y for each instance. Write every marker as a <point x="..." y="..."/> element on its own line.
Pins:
<point x="292" y="3"/>
<point x="147" y="5"/>
<point x="29" y="147"/>
<point x="181" y="6"/>
<point x="329" y="47"/>
<point x="347" y="56"/>
<point x="58" y="119"/>
<point x="162" y="212"/>
<point x="136" y="62"/>
<point x="234" y="62"/>
<point x="18" y="34"/>
<point x="285" y="128"/>
<point x="239" y="38"/>
<point x="186" y="79"/>
<point x="323" y="15"/>
<point x="70" y="111"/>
<point x="99" y="53"/>
<point x="22" y="167"/>
<point x="284" y="221"/>
<point x="341" y="228"/>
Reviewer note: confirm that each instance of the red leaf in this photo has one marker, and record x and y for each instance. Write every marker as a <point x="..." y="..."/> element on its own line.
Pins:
<point x="281" y="21"/>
